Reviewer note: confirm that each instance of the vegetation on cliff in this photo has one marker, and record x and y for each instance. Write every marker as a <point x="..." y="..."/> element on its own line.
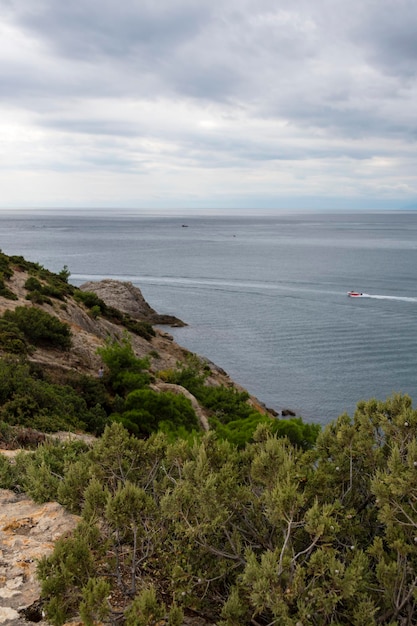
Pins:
<point x="64" y="398"/>
<point x="259" y="521"/>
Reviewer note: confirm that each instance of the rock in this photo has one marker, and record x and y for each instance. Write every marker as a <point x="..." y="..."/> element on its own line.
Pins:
<point x="178" y="389"/>
<point x="288" y="413"/>
<point x="129" y="299"/>
<point x="28" y="531"/>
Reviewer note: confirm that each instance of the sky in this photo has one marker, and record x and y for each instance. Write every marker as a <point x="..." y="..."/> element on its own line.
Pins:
<point x="215" y="104"/>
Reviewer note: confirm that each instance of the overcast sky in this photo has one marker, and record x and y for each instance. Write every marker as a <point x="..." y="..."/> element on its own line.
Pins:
<point x="208" y="103"/>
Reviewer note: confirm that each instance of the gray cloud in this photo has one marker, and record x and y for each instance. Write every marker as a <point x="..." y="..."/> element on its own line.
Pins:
<point x="87" y="30"/>
<point x="387" y="33"/>
<point x="226" y="85"/>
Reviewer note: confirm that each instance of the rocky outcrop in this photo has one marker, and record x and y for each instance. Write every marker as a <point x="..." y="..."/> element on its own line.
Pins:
<point x="27" y="532"/>
<point x="89" y="333"/>
<point x="129" y="299"/>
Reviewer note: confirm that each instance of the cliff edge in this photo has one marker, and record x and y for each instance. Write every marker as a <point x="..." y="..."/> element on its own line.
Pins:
<point x="125" y="296"/>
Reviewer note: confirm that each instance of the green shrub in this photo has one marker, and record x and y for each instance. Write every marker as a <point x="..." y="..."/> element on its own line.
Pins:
<point x="23" y="265"/>
<point x="54" y="291"/>
<point x="95" y="311"/>
<point x="42" y="471"/>
<point x="239" y="432"/>
<point x="142" y="329"/>
<point x="91" y="389"/>
<point x="90" y="299"/>
<point x="145" y="409"/>
<point x="190" y="375"/>
<point x="33" y="284"/>
<point x="36" y="297"/>
<point x="64" y="274"/>
<point x="300" y="433"/>
<point x="9" y="476"/>
<point x="126" y="371"/>
<point x="39" y="327"/>
<point x="28" y="400"/>
<point x="64" y="575"/>
<point x="5" y="291"/>
<point x="226" y="403"/>
<point x="12" y="339"/>
<point x="95" y="606"/>
<point x="266" y="534"/>
<point x="145" y="609"/>
<point x="114" y="315"/>
<point x="6" y="270"/>
<point x="42" y="292"/>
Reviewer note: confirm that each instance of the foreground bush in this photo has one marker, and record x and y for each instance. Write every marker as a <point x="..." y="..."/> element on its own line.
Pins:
<point x="264" y="535"/>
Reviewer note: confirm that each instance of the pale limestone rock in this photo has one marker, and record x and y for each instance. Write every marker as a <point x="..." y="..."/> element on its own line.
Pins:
<point x="8" y="616"/>
<point x="28" y="531"/>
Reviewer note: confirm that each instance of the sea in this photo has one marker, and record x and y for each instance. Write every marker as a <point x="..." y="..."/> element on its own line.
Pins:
<point x="264" y="296"/>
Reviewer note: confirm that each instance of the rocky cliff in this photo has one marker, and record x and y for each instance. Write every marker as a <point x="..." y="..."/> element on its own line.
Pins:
<point x="89" y="332"/>
<point x="128" y="298"/>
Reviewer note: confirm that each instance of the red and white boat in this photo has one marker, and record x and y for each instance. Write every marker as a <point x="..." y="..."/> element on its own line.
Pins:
<point x="354" y="294"/>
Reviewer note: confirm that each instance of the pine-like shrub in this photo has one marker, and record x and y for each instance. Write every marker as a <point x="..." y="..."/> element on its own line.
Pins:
<point x="39" y="327"/>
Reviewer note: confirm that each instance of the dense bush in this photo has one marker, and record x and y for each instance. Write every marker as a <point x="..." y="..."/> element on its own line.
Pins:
<point x="66" y="573"/>
<point x="142" y="329"/>
<point x="20" y="263"/>
<point x="125" y="371"/>
<point x="91" y="389"/>
<point x="43" y="292"/>
<point x="33" y="284"/>
<point x="6" y="272"/>
<point x="39" y="327"/>
<point x="58" y="281"/>
<point x="231" y="415"/>
<point x="5" y="292"/>
<point x="267" y="534"/>
<point x="192" y="375"/>
<point x="145" y="410"/>
<point x="300" y="433"/>
<point x="12" y="339"/>
<point x="27" y="400"/>
<point x="90" y="300"/>
<point x="226" y="403"/>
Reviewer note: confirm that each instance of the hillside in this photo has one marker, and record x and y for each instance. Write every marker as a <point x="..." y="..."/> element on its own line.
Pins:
<point x="138" y="506"/>
<point x="90" y="329"/>
<point x="94" y="315"/>
<point x="186" y="508"/>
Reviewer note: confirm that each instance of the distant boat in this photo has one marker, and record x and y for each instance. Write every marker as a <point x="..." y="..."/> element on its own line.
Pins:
<point x="354" y="294"/>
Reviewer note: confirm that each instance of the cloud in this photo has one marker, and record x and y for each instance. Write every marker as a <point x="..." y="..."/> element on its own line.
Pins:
<point x="281" y="99"/>
<point x="387" y="32"/>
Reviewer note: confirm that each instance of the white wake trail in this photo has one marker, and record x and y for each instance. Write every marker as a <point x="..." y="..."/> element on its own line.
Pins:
<point x="381" y="297"/>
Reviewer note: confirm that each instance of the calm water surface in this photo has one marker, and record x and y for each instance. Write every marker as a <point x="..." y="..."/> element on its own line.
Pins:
<point x="264" y="297"/>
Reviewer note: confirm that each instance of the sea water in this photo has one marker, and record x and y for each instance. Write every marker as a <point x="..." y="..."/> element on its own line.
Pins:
<point x="264" y="297"/>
